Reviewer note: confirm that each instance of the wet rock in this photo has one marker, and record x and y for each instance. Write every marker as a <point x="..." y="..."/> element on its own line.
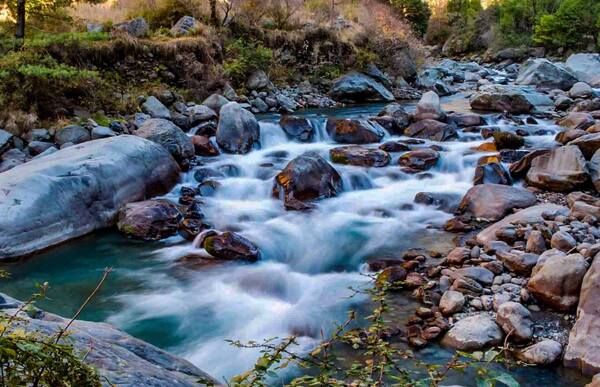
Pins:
<point x="155" y="109"/>
<point x="37" y="147"/>
<point x="308" y="177"/>
<point x="354" y="131"/>
<point x="204" y="146"/>
<point x="74" y="134"/>
<point x="444" y="201"/>
<point x="399" y="116"/>
<point x="543" y="353"/>
<point x="531" y="215"/>
<point x="583" y="349"/>
<point x="359" y="156"/>
<point x="231" y="246"/>
<point x="429" y="107"/>
<point x="473" y="333"/>
<point x="545" y="75"/>
<point x="563" y="169"/>
<point x="451" y="302"/>
<point x="394" y="146"/>
<point x="297" y="128"/>
<point x="169" y="136"/>
<point x="492" y="173"/>
<point x="465" y="120"/>
<point x="556" y="280"/>
<point x="431" y="130"/>
<point x="419" y="160"/>
<point x="494" y="201"/>
<point x="392" y="275"/>
<point x="357" y="87"/>
<point x="588" y="144"/>
<point x="92" y="180"/>
<point x="508" y="140"/>
<point x="586" y="67"/>
<point x="518" y="261"/>
<point x="501" y="98"/>
<point x="149" y="220"/>
<point x="563" y="241"/>
<point x="515" y="320"/>
<point x="238" y="130"/>
<point x="577" y="120"/>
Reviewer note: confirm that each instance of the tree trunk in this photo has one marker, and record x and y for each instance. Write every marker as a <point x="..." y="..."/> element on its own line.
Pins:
<point x="213" y="13"/>
<point x="20" y="30"/>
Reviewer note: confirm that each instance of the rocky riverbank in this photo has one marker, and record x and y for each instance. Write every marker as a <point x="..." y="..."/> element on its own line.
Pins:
<point x="524" y="268"/>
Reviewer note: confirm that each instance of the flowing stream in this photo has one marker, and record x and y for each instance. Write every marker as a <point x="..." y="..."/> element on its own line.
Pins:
<point x="309" y="260"/>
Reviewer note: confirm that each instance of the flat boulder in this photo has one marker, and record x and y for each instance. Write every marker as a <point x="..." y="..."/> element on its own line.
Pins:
<point x="577" y="120"/>
<point x="494" y="201"/>
<point x="231" y="246"/>
<point x="563" y="169"/>
<point x="169" y="136"/>
<point x="149" y="220"/>
<point x="583" y="349"/>
<point x="359" y="156"/>
<point x="430" y="129"/>
<point x="297" y="128"/>
<point x="77" y="190"/>
<point x="238" y="130"/>
<point x="354" y="131"/>
<point x="306" y="178"/>
<point x="544" y="74"/>
<point x="473" y="333"/>
<point x="586" y="67"/>
<point x="556" y="280"/>
<point x="531" y="215"/>
<point x="357" y="87"/>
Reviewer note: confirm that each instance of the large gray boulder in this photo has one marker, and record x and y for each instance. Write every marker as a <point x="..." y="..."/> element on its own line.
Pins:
<point x="137" y="27"/>
<point x="563" y="169"/>
<point x="74" y="134"/>
<point x="544" y="74"/>
<point x="583" y="350"/>
<point x="531" y="215"/>
<point x="77" y="190"/>
<point x="120" y="358"/>
<point x="494" y="201"/>
<point x="169" y="136"/>
<point x="473" y="333"/>
<point x="429" y="107"/>
<point x="155" y="109"/>
<point x="185" y="26"/>
<point x="515" y="320"/>
<point x="357" y="87"/>
<point x="586" y="67"/>
<point x="238" y="130"/>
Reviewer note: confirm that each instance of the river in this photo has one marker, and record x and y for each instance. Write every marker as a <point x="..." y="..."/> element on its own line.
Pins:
<point x="309" y="260"/>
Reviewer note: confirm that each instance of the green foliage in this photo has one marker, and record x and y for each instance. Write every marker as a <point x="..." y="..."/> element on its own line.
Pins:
<point x="463" y="12"/>
<point x="31" y="359"/>
<point x="417" y="12"/>
<point x="243" y="57"/>
<point x="364" y="57"/>
<point x="572" y="25"/>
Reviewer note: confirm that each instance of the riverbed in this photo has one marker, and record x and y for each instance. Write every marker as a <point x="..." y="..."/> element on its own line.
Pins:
<point x="309" y="259"/>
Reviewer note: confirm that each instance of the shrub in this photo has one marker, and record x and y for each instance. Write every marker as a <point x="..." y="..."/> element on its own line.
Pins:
<point x="243" y="57"/>
<point x="417" y="12"/>
<point x="574" y="24"/>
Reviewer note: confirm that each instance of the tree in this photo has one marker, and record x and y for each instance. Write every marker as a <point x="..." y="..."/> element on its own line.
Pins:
<point x="213" y="13"/>
<point x="417" y="13"/>
<point x="22" y="9"/>
<point x="573" y="25"/>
